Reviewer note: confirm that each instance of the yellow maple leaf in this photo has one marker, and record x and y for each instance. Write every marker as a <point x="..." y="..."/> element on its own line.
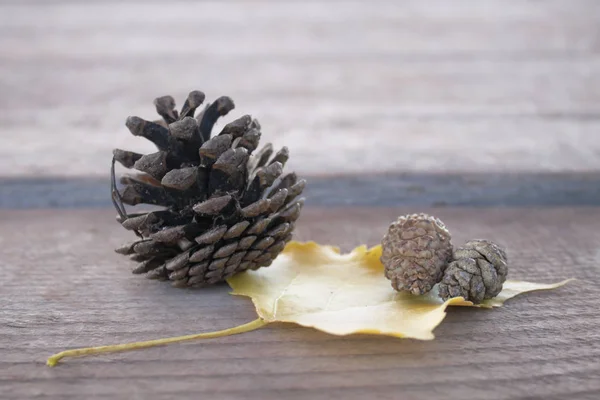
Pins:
<point x="316" y="286"/>
<point x="341" y="294"/>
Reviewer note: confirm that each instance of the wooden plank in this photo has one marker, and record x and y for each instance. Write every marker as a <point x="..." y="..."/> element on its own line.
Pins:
<point x="491" y="145"/>
<point x="372" y="190"/>
<point x="435" y="26"/>
<point x="63" y="287"/>
<point x="398" y="86"/>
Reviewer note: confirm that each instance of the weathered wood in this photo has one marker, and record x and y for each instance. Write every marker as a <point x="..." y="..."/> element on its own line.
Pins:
<point x="412" y="85"/>
<point x="63" y="287"/>
<point x="418" y="189"/>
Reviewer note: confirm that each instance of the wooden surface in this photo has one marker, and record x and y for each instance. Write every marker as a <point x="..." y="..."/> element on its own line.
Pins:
<point x="494" y="85"/>
<point x="63" y="287"/>
<point x="374" y="190"/>
<point x="504" y="92"/>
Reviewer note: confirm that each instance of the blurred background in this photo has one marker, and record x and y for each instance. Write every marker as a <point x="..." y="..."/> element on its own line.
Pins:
<point x="351" y="87"/>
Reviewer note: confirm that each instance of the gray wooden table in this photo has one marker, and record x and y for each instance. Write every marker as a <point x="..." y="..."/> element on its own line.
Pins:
<point x="62" y="287"/>
<point x="483" y="112"/>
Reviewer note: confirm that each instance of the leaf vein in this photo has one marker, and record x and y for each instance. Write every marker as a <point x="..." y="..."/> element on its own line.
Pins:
<point x="283" y="292"/>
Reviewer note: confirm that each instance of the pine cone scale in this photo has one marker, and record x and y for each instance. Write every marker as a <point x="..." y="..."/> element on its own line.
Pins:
<point x="202" y="254"/>
<point x="246" y="242"/>
<point x="212" y="236"/>
<point x="259" y="226"/>
<point x="226" y="250"/>
<point x="198" y="269"/>
<point x="218" y="264"/>
<point x="179" y="274"/>
<point x="236" y="230"/>
<point x="178" y="262"/>
<point x="235" y="259"/>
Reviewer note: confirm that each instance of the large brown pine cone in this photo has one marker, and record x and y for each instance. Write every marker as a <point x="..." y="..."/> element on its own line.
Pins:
<point x="477" y="272"/>
<point x="415" y="252"/>
<point x="224" y="209"/>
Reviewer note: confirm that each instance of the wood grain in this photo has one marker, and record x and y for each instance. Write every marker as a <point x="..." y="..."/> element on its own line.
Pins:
<point x="488" y="85"/>
<point x="370" y="190"/>
<point x="63" y="287"/>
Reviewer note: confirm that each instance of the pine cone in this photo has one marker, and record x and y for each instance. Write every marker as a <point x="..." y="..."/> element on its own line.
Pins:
<point x="224" y="209"/>
<point x="415" y="252"/>
<point x="477" y="272"/>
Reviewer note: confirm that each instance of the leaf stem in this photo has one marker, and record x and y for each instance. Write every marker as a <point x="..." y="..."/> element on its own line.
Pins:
<point x="88" y="351"/>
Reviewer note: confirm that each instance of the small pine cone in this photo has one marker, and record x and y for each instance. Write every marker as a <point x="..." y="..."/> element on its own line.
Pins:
<point x="226" y="205"/>
<point x="415" y="252"/>
<point x="477" y="272"/>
